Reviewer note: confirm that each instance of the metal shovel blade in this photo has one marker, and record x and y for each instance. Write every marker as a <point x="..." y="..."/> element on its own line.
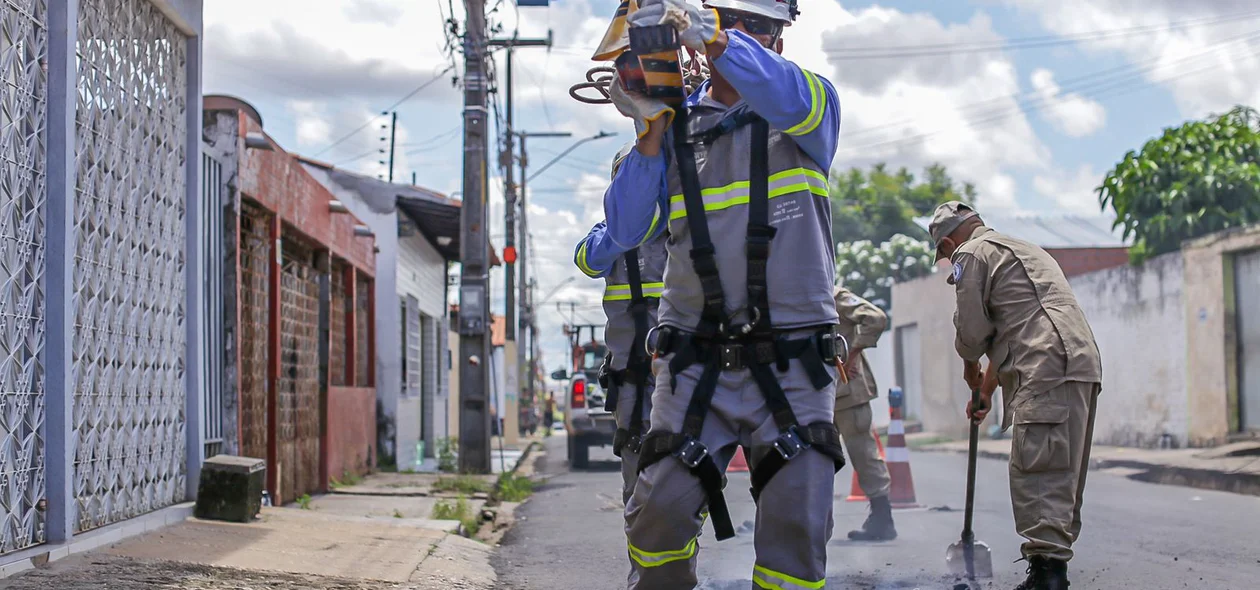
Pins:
<point x="971" y="559"/>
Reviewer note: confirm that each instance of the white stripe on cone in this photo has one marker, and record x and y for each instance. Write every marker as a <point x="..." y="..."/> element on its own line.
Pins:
<point x="897" y="455"/>
<point x="897" y="427"/>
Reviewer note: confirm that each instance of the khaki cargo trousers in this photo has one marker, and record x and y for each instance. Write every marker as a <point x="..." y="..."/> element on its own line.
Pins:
<point x="854" y="425"/>
<point x="1050" y="447"/>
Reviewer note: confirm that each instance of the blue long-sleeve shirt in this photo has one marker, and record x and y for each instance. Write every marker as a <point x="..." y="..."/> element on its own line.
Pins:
<point x="803" y="105"/>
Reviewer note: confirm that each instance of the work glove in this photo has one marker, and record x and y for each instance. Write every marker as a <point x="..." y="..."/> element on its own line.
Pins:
<point x="638" y="107"/>
<point x="696" y="26"/>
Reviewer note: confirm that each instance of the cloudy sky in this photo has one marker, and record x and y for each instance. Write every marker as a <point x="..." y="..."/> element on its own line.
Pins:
<point x="1031" y="100"/>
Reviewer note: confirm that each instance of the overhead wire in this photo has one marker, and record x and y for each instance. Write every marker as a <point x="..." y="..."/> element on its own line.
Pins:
<point x="1038" y="42"/>
<point x="1037" y="100"/>
<point x="391" y="107"/>
<point x="1014" y="43"/>
<point x="1069" y="85"/>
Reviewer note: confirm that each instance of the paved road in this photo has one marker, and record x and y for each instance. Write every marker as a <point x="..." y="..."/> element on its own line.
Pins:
<point x="1136" y="535"/>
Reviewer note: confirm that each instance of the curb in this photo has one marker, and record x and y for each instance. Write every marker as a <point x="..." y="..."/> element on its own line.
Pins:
<point x="529" y="450"/>
<point x="1247" y="484"/>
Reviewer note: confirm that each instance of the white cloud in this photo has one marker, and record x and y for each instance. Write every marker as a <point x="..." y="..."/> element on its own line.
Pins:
<point x="1072" y="114"/>
<point x="958" y="110"/>
<point x="331" y="65"/>
<point x="1073" y="191"/>
<point x="312" y="125"/>
<point x="1208" y="65"/>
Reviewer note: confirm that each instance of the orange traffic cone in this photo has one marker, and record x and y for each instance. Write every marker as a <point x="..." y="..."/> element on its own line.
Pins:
<point x="856" y="494"/>
<point x="738" y="463"/>
<point x="902" y="493"/>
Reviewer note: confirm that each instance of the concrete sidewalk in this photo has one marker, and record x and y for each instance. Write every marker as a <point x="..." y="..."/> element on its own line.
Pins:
<point x="1230" y="468"/>
<point x="376" y="534"/>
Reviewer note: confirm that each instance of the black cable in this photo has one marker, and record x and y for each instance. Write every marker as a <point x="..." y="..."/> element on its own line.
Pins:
<point x="1040" y="42"/>
<point x="1037" y="100"/>
<point x="417" y="90"/>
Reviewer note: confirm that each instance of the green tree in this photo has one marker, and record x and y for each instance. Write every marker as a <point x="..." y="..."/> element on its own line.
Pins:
<point x="1193" y="180"/>
<point x="873" y="214"/>
<point x="870" y="270"/>
<point x="879" y="204"/>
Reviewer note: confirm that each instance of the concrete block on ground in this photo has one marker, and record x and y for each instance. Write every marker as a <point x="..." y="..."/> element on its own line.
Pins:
<point x="231" y="488"/>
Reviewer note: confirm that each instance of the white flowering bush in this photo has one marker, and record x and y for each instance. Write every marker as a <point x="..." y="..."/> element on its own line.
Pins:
<point x="870" y="271"/>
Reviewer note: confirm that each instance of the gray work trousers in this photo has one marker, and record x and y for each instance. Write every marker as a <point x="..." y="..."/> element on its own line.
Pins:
<point x="1050" y="444"/>
<point x="854" y="425"/>
<point x="625" y="409"/>
<point x="668" y="507"/>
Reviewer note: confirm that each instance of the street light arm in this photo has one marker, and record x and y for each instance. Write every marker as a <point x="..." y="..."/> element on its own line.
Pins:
<point x="561" y="155"/>
<point x="553" y="291"/>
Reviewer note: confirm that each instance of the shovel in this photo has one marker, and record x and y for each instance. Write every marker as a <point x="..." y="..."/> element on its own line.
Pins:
<point x="969" y="557"/>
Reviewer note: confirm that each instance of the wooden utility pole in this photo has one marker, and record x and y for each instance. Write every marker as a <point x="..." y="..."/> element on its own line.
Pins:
<point x="474" y="295"/>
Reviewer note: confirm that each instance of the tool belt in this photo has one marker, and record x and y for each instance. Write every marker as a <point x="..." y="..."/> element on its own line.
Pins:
<point x="761" y="354"/>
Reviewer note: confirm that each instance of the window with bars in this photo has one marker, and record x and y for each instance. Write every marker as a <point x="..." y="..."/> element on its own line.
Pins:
<point x="363" y="330"/>
<point x="338" y="312"/>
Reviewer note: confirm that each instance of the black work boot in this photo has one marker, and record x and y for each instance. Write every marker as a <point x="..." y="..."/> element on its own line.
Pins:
<point x="1045" y="573"/>
<point x="879" y="525"/>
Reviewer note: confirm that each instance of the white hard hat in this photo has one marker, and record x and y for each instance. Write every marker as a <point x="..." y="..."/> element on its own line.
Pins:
<point x="620" y="157"/>
<point x="782" y="10"/>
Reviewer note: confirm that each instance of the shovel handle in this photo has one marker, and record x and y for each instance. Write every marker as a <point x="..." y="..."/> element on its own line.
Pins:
<point x="972" y="451"/>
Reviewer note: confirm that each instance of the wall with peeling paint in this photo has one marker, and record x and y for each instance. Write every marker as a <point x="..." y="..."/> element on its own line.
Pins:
<point x="1138" y="317"/>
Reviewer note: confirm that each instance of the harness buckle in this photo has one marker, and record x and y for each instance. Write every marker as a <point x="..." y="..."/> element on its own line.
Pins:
<point x="789" y="444"/>
<point x="691" y="453"/>
<point x="832" y="346"/>
<point x="634" y="442"/>
<point x="731" y="356"/>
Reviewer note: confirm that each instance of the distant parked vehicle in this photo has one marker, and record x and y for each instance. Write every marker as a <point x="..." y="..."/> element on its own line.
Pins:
<point x="587" y="422"/>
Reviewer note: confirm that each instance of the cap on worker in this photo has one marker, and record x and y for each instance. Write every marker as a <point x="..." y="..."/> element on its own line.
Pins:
<point x="946" y="219"/>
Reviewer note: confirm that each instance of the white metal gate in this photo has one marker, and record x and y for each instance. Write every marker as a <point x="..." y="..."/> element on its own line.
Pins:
<point x="129" y="243"/>
<point x="212" y="350"/>
<point x="909" y="369"/>
<point x="1247" y="305"/>
<point x="23" y="115"/>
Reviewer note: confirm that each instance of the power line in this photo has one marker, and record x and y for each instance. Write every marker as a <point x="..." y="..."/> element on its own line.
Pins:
<point x="1040" y="42"/>
<point x="1070" y="85"/>
<point x="1039" y="102"/>
<point x="1015" y="43"/>
<point x="417" y="90"/>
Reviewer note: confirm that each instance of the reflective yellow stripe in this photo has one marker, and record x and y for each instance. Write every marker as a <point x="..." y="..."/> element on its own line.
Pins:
<point x="656" y="218"/>
<point x="622" y="292"/>
<point x="581" y="262"/>
<point x="783" y="183"/>
<point x="817" y="106"/>
<point x="767" y="578"/>
<point x="650" y="559"/>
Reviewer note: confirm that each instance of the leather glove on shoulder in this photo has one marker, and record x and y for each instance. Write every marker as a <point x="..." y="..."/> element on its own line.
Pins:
<point x="638" y="107"/>
<point x="696" y="26"/>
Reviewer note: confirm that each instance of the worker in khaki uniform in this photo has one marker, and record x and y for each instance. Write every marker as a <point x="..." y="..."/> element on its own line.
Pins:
<point x="861" y="324"/>
<point x="1016" y="307"/>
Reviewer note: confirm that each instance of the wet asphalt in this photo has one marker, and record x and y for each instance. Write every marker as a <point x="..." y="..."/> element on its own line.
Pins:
<point x="1135" y="535"/>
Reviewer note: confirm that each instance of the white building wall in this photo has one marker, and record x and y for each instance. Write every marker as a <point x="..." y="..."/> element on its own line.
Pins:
<point x="1138" y="317"/>
<point x="405" y="265"/>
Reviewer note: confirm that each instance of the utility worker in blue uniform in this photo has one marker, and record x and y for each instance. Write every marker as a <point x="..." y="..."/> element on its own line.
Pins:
<point x="632" y="292"/>
<point x="747" y="348"/>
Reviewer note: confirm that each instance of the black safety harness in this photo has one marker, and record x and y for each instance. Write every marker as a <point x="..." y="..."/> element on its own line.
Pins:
<point x="720" y="346"/>
<point x="638" y="366"/>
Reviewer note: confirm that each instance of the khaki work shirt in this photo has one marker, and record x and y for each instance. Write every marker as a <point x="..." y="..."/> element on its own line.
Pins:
<point x="861" y="324"/>
<point x="1015" y="305"/>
